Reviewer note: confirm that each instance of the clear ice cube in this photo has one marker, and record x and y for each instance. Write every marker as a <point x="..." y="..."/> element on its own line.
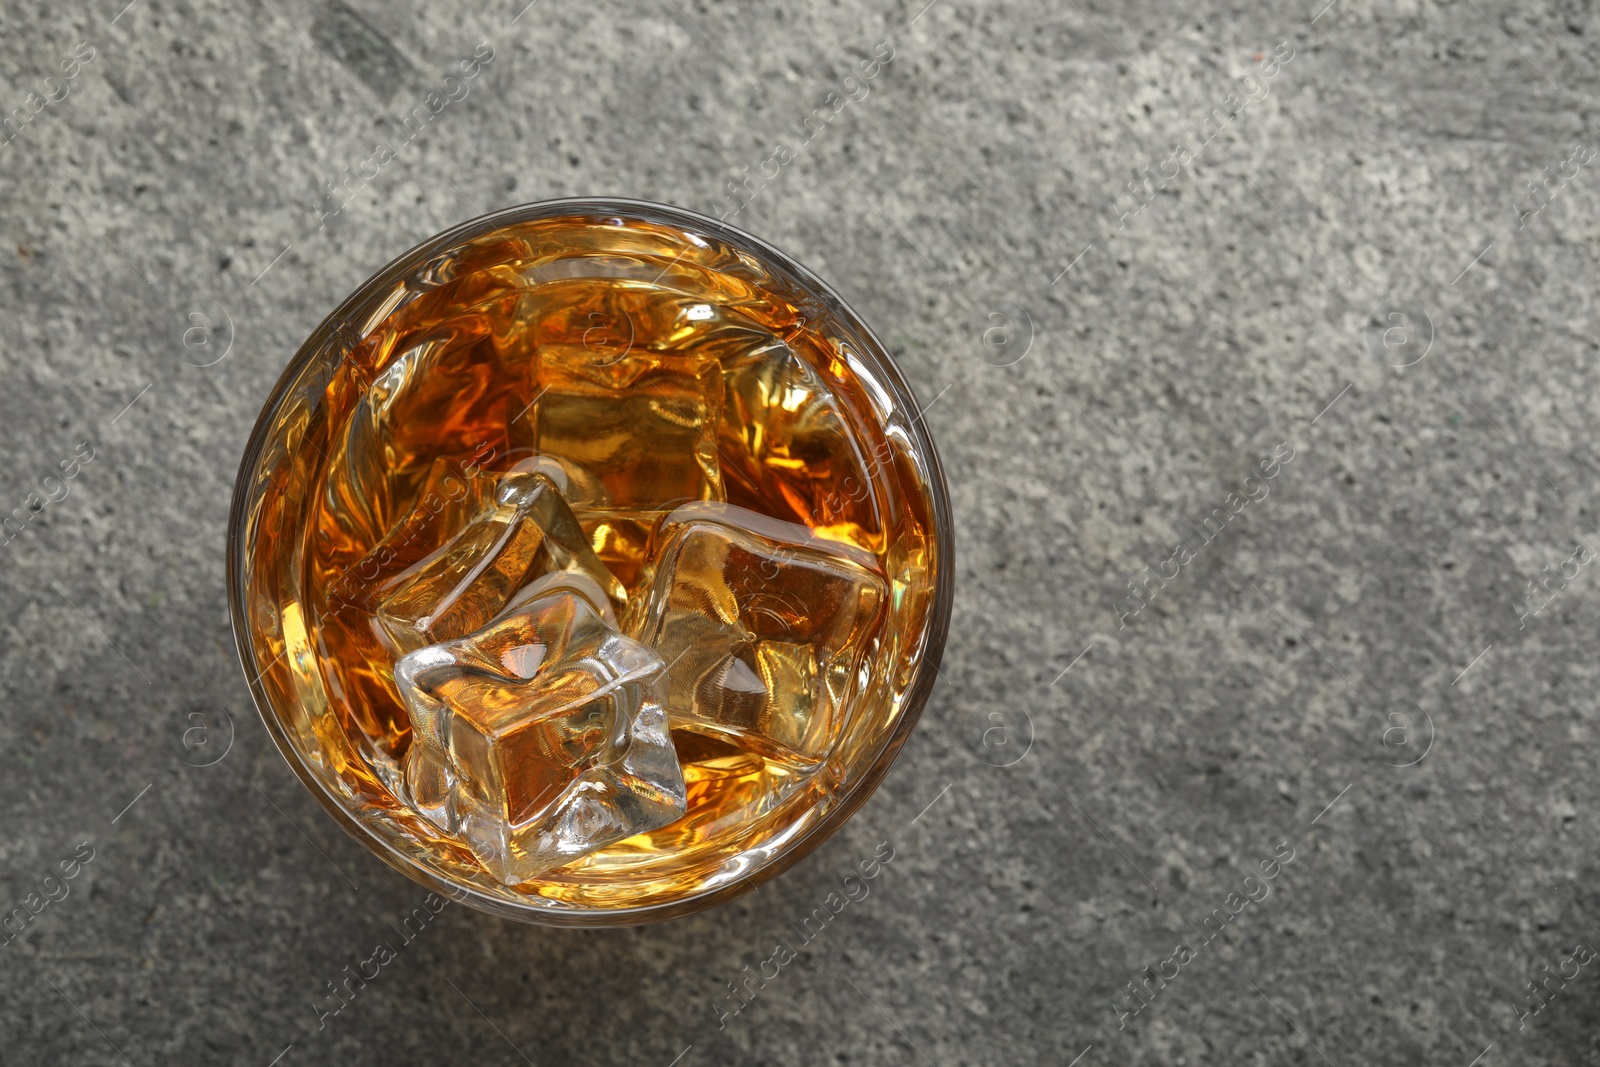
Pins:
<point x="786" y="441"/>
<point x="543" y="736"/>
<point x="638" y="430"/>
<point x="427" y="383"/>
<point x="452" y="496"/>
<point x="430" y="784"/>
<point x="503" y="540"/>
<point x="642" y="424"/>
<point x="763" y="625"/>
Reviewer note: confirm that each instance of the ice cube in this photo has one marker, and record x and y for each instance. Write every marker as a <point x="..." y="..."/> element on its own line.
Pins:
<point x="433" y="380"/>
<point x="430" y="785"/>
<point x="643" y="424"/>
<point x="786" y="441"/>
<point x="545" y="731"/>
<point x="447" y="500"/>
<point x="568" y="581"/>
<point x="642" y="427"/>
<point x="764" y="626"/>
<point x="623" y="540"/>
<point x="523" y="531"/>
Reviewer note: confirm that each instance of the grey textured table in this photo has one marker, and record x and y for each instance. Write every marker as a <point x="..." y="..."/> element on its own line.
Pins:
<point x="1134" y="257"/>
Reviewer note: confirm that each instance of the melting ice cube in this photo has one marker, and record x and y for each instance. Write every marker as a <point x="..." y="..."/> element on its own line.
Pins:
<point x="541" y="737"/>
<point x="523" y="531"/>
<point x="764" y="626"/>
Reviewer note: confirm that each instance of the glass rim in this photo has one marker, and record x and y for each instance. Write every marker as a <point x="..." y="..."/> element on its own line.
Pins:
<point x="887" y="371"/>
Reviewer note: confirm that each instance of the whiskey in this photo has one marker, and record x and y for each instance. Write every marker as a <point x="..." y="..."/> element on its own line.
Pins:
<point x="622" y="427"/>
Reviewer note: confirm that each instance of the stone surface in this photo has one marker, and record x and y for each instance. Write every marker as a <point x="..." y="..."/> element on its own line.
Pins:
<point x="1103" y="374"/>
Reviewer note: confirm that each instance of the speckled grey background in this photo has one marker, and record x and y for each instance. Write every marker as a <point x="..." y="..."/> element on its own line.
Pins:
<point x="1353" y="668"/>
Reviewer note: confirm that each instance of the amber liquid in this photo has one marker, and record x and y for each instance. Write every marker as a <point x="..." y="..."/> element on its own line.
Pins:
<point x="656" y="371"/>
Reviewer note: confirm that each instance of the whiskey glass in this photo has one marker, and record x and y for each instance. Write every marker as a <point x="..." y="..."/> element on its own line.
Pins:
<point x="341" y="450"/>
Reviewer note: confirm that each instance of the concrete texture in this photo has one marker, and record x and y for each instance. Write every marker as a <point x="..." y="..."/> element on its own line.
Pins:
<point x="1102" y="371"/>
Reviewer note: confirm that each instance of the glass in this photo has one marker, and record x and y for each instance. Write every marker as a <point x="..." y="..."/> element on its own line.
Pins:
<point x="734" y="445"/>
